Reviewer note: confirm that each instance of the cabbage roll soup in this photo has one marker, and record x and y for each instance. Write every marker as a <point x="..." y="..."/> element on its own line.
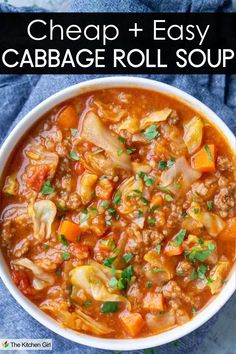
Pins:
<point x="118" y="213"/>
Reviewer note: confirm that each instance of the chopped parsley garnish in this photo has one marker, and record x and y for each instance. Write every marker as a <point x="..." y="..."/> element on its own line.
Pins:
<point x="168" y="198"/>
<point x="74" y="156"/>
<point x="87" y="303"/>
<point x="110" y="243"/>
<point x="209" y="281"/>
<point x="130" y="150"/>
<point x="108" y="262"/>
<point x="140" y="175"/>
<point x="120" y="152"/>
<point x="140" y="213"/>
<point x="148" y="284"/>
<point x="201" y="242"/>
<point x="179" y="237"/>
<point x="113" y="282"/>
<point x="151" y="221"/>
<point x="194" y="311"/>
<point x="144" y="200"/>
<point x="148" y="180"/>
<point x="151" y="132"/>
<point x="117" y="198"/>
<point x="170" y="162"/>
<point x="65" y="256"/>
<point x="111" y="211"/>
<point x="210" y="204"/>
<point x="45" y="247"/>
<point x="128" y="257"/>
<point x="164" y="190"/>
<point x="196" y="210"/>
<point x="47" y="188"/>
<point x="201" y="255"/>
<point x="127" y="273"/>
<point x="162" y="165"/>
<point x="109" y="307"/>
<point x="122" y="140"/>
<point x="208" y="152"/>
<point x="201" y="271"/>
<point x="105" y="204"/>
<point x="157" y="270"/>
<point x="58" y="272"/>
<point x="73" y="131"/>
<point x="93" y="209"/>
<point x="63" y="240"/>
<point x="193" y="275"/>
<point x="158" y="248"/>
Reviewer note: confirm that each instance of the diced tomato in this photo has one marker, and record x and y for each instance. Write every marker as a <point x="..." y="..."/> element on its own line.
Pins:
<point x="22" y="282"/>
<point x="79" y="168"/>
<point x="38" y="178"/>
<point x="79" y="251"/>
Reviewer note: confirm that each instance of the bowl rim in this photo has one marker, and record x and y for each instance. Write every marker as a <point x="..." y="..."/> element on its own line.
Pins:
<point x="7" y="147"/>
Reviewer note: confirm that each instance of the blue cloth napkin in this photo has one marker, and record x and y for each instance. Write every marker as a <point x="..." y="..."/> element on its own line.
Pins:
<point x="19" y="94"/>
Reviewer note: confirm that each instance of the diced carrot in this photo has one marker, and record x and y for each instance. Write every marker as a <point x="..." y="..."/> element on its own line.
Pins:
<point x="68" y="118"/>
<point x="38" y="178"/>
<point x="156" y="200"/>
<point x="132" y="322"/>
<point x="172" y="250"/>
<point x="104" y="189"/>
<point x="153" y="302"/>
<point x="79" y="251"/>
<point x="229" y="232"/>
<point x="204" y="159"/>
<point x="70" y="230"/>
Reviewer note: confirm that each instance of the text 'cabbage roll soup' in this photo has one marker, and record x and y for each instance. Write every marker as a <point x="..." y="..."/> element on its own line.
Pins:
<point x="118" y="213"/>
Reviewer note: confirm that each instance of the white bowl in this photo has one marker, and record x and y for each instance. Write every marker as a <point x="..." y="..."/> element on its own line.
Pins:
<point x="23" y="126"/>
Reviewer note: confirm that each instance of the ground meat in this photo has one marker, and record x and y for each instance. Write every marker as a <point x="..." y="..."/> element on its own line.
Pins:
<point x="225" y="201"/>
<point x="175" y="216"/>
<point x="74" y="201"/>
<point x="152" y="237"/>
<point x="224" y="164"/>
<point x="184" y="268"/>
<point x="172" y="290"/>
<point x="173" y="118"/>
<point x="21" y="248"/>
<point x="7" y="233"/>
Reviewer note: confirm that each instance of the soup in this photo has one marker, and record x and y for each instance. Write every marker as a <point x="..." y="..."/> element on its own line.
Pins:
<point x="118" y="213"/>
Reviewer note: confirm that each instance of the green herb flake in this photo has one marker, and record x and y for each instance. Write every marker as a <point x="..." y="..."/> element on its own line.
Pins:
<point x="73" y="132"/>
<point x="164" y="189"/>
<point x="128" y="257"/>
<point x="47" y="188"/>
<point x="127" y="273"/>
<point x="151" y="221"/>
<point x="65" y="256"/>
<point x="120" y="152"/>
<point x="209" y="281"/>
<point x="58" y="272"/>
<point x="94" y="210"/>
<point x="193" y="275"/>
<point x="140" y="213"/>
<point x="196" y="210"/>
<point x="170" y="162"/>
<point x="130" y="150"/>
<point x="194" y="311"/>
<point x="158" y="248"/>
<point x="113" y="283"/>
<point x="210" y="204"/>
<point x="157" y="270"/>
<point x="45" y="247"/>
<point x="206" y="147"/>
<point x="148" y="285"/>
<point x="105" y="204"/>
<point x="180" y="237"/>
<point x="162" y="165"/>
<point x="122" y="140"/>
<point x="109" y="261"/>
<point x="151" y="132"/>
<point x="201" y="271"/>
<point x="144" y="200"/>
<point x="109" y="307"/>
<point x="87" y="303"/>
<point x="63" y="240"/>
<point x="168" y="198"/>
<point x="74" y="156"/>
<point x="148" y="181"/>
<point x="117" y="198"/>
